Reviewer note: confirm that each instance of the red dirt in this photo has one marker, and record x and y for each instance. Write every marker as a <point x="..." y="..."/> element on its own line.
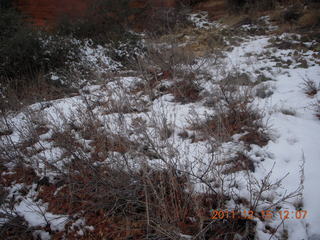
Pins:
<point x="46" y="12"/>
<point x="215" y="8"/>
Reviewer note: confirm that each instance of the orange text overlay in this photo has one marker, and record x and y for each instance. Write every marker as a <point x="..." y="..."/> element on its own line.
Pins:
<point x="267" y="214"/>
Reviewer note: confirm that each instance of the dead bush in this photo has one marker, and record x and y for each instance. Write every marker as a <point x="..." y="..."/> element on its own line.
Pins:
<point x="257" y="137"/>
<point x="39" y="89"/>
<point x="234" y="114"/>
<point x="167" y="60"/>
<point x="169" y="63"/>
<point x="16" y="228"/>
<point x="240" y="163"/>
<point x="292" y="14"/>
<point x="168" y="198"/>
<point x="164" y="20"/>
<point x="12" y="226"/>
<point x="186" y="91"/>
<point x="20" y="174"/>
<point x="310" y="87"/>
<point x="310" y="19"/>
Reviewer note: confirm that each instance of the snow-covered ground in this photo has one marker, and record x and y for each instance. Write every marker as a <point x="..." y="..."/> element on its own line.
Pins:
<point x="288" y="113"/>
<point x="295" y="135"/>
<point x="294" y="148"/>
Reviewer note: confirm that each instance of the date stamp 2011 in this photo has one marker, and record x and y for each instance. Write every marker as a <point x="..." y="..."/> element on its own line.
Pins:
<point x="266" y="214"/>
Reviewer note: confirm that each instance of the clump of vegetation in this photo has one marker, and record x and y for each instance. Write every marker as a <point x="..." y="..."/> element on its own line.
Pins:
<point x="103" y="22"/>
<point x="29" y="54"/>
<point x="310" y="87"/>
<point x="186" y="90"/>
<point x="246" y="5"/>
<point x="234" y="114"/>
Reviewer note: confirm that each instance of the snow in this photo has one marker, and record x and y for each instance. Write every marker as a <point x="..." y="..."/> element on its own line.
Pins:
<point x="200" y="20"/>
<point x="36" y="215"/>
<point x="293" y="148"/>
<point x="298" y="141"/>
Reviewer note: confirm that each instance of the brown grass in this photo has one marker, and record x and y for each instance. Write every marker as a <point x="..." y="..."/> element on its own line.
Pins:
<point x="255" y="137"/>
<point x="310" y="87"/>
<point x="225" y="125"/>
<point x="310" y="19"/>
<point x="185" y="91"/>
<point x="20" y="174"/>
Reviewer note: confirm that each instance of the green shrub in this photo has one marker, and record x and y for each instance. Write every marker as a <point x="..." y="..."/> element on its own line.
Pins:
<point x="26" y="51"/>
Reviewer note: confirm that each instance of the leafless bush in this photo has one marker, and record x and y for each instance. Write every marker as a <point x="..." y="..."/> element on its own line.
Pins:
<point x="15" y="228"/>
<point x="310" y="87"/>
<point x="171" y="69"/>
<point x="164" y="20"/>
<point x="29" y="93"/>
<point x="167" y="60"/>
<point x="258" y="189"/>
<point x="12" y="226"/>
<point x="132" y="180"/>
<point x="234" y="113"/>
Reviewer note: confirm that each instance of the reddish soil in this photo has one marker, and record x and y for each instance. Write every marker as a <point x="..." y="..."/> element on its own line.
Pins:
<point x="46" y="12"/>
<point x="215" y="8"/>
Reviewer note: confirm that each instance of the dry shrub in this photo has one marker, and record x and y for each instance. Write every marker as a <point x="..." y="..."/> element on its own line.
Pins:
<point x="108" y="199"/>
<point x="167" y="60"/>
<point x="186" y="91"/>
<point x="239" y="163"/>
<point x="94" y="188"/>
<point x="310" y="87"/>
<point x="171" y="62"/>
<point x="121" y="205"/>
<point x="16" y="228"/>
<point x="310" y="19"/>
<point x="20" y="93"/>
<point x="13" y="226"/>
<point x="164" y="20"/>
<point x="255" y="137"/>
<point x="233" y="122"/>
<point x="20" y="174"/>
<point x="234" y="114"/>
<point x="169" y="196"/>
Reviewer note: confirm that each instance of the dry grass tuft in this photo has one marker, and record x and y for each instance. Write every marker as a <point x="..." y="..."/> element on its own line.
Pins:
<point x="310" y="87"/>
<point x="310" y="19"/>
<point x="186" y="91"/>
<point x="255" y="137"/>
<point x="20" y="174"/>
<point x="234" y="121"/>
